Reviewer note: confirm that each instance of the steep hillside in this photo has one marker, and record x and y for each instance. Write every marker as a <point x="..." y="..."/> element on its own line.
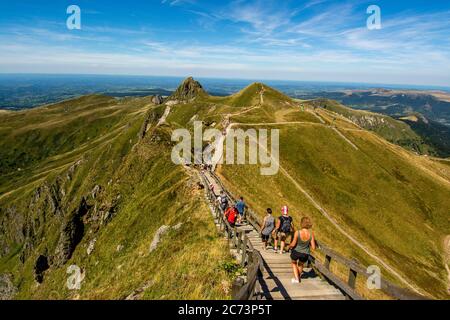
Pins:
<point x="96" y="189"/>
<point x="390" y="129"/>
<point x="433" y="133"/>
<point x="369" y="198"/>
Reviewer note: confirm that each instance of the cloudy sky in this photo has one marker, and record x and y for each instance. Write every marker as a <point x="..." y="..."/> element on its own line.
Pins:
<point x="312" y="40"/>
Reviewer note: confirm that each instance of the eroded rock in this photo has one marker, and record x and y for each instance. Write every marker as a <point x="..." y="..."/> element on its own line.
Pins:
<point x="159" y="234"/>
<point x="71" y="234"/>
<point x="41" y="265"/>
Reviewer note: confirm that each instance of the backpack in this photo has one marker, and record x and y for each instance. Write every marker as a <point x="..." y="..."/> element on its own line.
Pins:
<point x="231" y="215"/>
<point x="224" y="202"/>
<point x="286" y="224"/>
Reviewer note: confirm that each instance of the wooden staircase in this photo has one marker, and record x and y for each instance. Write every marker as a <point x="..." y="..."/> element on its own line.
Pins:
<point x="275" y="282"/>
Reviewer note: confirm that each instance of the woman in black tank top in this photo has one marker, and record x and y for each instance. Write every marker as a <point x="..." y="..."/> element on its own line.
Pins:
<point x="301" y="248"/>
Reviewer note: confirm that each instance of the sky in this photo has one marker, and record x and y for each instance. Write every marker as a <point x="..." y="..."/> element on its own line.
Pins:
<point x="312" y="40"/>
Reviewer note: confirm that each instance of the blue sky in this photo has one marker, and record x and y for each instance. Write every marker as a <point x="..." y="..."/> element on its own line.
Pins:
<point x="312" y="40"/>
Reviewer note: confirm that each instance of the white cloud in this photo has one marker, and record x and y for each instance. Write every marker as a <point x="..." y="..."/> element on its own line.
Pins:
<point x="275" y="41"/>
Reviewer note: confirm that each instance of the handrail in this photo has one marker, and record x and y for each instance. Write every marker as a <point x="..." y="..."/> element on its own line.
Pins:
<point x="323" y="268"/>
<point x="250" y="257"/>
<point x="356" y="269"/>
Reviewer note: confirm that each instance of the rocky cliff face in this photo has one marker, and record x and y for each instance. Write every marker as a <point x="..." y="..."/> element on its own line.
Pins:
<point x="189" y="89"/>
<point x="370" y="122"/>
<point x="49" y="209"/>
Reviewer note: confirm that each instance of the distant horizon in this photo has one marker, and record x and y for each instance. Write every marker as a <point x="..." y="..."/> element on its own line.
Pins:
<point x="353" y="41"/>
<point x="364" y="85"/>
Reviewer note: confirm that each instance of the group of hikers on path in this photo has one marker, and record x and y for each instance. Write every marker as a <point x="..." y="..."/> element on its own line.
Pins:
<point x="302" y="241"/>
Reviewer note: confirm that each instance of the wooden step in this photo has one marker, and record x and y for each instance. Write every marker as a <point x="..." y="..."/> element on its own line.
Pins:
<point x="308" y="289"/>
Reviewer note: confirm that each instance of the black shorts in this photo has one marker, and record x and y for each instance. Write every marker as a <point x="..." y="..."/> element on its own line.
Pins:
<point x="265" y="238"/>
<point x="297" y="256"/>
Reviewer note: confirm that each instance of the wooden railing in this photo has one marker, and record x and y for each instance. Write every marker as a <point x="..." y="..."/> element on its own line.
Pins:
<point x="355" y="269"/>
<point x="237" y="239"/>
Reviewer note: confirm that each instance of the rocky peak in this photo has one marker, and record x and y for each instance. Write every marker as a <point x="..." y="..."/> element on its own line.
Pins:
<point x="188" y="90"/>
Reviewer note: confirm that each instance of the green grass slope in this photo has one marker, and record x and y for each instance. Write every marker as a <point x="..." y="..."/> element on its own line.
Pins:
<point x="392" y="130"/>
<point x="97" y="201"/>
<point x="393" y="202"/>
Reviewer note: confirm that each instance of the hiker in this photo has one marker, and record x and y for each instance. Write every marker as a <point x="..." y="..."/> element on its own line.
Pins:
<point x="231" y="215"/>
<point x="302" y="244"/>
<point x="240" y="206"/>
<point x="283" y="229"/>
<point x="267" y="227"/>
<point x="223" y="201"/>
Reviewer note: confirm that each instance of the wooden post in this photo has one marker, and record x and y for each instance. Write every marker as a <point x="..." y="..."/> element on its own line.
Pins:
<point x="244" y="251"/>
<point x="250" y="257"/>
<point x="352" y="278"/>
<point x="236" y="287"/>
<point x="235" y="237"/>
<point x="239" y="243"/>
<point x="327" y="262"/>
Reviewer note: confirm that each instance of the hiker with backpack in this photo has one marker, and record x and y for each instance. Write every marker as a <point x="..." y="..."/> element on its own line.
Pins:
<point x="283" y="229"/>
<point x="231" y="215"/>
<point x="267" y="227"/>
<point x="302" y="244"/>
<point x="223" y="201"/>
<point x="240" y="206"/>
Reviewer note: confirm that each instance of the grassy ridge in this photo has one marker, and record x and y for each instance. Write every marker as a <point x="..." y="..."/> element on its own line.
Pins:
<point x="142" y="190"/>
<point x="399" y="209"/>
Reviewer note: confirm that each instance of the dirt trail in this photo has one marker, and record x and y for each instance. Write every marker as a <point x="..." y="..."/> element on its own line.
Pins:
<point x="317" y="116"/>
<point x="261" y="95"/>
<point x="345" y="138"/>
<point x="164" y="116"/>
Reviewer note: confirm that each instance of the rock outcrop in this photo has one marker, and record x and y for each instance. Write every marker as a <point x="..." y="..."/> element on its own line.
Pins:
<point x="71" y="235"/>
<point x="188" y="90"/>
<point x="157" y="100"/>
<point x="159" y="234"/>
<point x="150" y="119"/>
<point x="41" y="265"/>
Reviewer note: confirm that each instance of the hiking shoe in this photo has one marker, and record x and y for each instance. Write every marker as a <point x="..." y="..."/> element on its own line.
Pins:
<point x="295" y="281"/>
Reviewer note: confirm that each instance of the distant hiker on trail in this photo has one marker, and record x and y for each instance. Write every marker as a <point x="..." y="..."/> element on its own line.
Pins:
<point x="267" y="227"/>
<point x="231" y="215"/>
<point x="240" y="206"/>
<point x="302" y="244"/>
<point x="223" y="201"/>
<point x="283" y="229"/>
